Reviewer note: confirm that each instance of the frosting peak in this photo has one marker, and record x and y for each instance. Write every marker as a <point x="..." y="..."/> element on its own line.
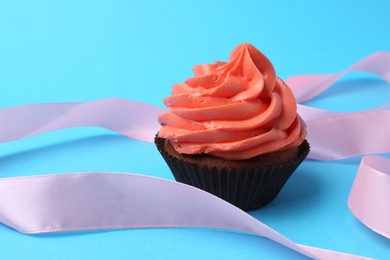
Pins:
<point x="233" y="110"/>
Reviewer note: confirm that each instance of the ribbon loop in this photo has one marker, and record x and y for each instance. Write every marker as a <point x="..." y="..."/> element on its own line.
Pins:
<point x="306" y="87"/>
<point x="372" y="179"/>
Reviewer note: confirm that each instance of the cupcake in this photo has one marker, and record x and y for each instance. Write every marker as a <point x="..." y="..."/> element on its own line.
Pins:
<point x="233" y="130"/>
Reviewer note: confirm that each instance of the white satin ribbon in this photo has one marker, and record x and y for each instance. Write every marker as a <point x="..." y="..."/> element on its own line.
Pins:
<point x="84" y="201"/>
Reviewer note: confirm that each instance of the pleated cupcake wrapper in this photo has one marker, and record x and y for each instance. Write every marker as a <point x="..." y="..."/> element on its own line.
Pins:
<point x="246" y="188"/>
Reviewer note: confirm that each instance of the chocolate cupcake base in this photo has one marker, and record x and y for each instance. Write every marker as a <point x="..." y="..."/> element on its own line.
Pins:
<point x="247" y="184"/>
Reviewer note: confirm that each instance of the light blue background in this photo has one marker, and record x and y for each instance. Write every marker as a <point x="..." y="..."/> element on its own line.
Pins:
<point x="53" y="51"/>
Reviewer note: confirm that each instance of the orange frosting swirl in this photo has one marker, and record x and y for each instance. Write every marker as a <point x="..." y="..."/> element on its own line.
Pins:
<point x="233" y="110"/>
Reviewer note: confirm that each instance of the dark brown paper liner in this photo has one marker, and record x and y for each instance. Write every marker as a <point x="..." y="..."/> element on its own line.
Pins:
<point x="246" y="188"/>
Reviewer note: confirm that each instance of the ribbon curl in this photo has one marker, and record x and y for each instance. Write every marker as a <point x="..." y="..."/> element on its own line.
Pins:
<point x="92" y="203"/>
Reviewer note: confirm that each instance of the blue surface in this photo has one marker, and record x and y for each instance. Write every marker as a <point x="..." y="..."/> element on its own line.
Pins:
<point x="54" y="51"/>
